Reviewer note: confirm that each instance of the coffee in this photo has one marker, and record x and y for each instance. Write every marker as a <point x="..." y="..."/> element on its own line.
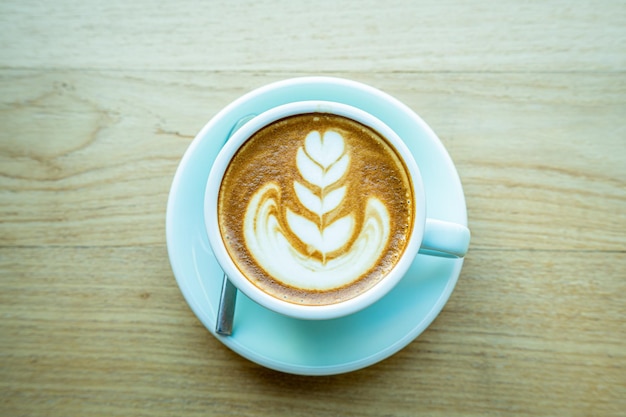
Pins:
<point x="315" y="208"/>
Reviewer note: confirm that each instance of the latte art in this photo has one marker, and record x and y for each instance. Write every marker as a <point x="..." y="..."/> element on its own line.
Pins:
<point x="333" y="256"/>
<point x="315" y="208"/>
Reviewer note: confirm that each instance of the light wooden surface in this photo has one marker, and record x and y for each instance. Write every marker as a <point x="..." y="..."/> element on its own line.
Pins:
<point x="99" y="100"/>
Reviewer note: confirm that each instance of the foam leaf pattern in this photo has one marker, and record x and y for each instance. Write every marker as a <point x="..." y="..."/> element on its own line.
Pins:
<point x="315" y="225"/>
<point x="325" y="150"/>
<point x="322" y="162"/>
<point x="314" y="203"/>
<point x="324" y="241"/>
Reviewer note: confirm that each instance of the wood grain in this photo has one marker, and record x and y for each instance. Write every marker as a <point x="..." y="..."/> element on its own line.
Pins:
<point x="534" y="335"/>
<point x="103" y="170"/>
<point x="99" y="101"/>
<point x="254" y="36"/>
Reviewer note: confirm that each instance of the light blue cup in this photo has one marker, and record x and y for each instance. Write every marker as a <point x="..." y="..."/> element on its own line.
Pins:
<point x="431" y="236"/>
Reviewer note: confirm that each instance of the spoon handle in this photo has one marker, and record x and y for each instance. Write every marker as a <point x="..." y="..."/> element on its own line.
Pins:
<point x="226" y="309"/>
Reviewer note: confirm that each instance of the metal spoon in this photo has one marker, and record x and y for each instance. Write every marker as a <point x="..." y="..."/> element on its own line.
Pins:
<point x="228" y="296"/>
<point x="226" y="308"/>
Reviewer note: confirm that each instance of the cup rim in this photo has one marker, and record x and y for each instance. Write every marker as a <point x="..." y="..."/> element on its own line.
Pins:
<point x="312" y="312"/>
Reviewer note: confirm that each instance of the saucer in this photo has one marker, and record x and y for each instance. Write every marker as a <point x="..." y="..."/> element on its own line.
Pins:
<point x="322" y="347"/>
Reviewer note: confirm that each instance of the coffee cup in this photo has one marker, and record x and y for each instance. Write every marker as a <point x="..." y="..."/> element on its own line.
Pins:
<point x="316" y="210"/>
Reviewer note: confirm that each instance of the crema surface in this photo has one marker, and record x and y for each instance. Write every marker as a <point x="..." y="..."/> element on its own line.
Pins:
<point x="315" y="208"/>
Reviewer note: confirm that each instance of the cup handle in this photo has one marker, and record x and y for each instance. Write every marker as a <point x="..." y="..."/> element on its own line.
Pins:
<point x="445" y="239"/>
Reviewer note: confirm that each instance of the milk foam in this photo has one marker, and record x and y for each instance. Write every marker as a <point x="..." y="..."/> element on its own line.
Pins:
<point x="277" y="255"/>
<point x="342" y="253"/>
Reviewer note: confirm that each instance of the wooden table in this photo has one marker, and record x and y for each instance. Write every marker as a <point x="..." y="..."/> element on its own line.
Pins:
<point x="99" y="101"/>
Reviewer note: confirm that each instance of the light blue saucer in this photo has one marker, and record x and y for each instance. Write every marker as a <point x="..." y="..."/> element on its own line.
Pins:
<point x="315" y="347"/>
